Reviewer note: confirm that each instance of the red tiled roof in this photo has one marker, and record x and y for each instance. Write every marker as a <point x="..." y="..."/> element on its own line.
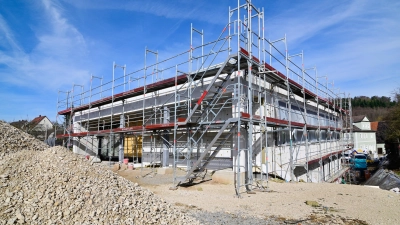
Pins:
<point x="37" y="120"/>
<point x="374" y="126"/>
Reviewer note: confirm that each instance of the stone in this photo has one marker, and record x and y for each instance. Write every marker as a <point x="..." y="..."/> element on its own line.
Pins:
<point x="8" y="210"/>
<point x="12" y="220"/>
<point x="20" y="216"/>
<point x="9" y="194"/>
<point x="67" y="212"/>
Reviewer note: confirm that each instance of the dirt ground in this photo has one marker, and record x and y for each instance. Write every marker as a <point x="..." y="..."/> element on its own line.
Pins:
<point x="334" y="203"/>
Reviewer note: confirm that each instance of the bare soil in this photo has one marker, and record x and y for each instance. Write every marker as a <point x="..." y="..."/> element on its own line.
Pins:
<point x="285" y="202"/>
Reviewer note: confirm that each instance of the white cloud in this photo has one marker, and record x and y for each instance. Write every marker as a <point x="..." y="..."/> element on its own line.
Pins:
<point x="309" y="19"/>
<point x="6" y="36"/>
<point x="195" y="10"/>
<point x="56" y="59"/>
<point x="356" y="43"/>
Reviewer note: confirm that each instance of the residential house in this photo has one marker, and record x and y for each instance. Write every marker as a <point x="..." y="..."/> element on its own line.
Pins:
<point x="39" y="127"/>
<point x="41" y="123"/>
<point x="364" y="136"/>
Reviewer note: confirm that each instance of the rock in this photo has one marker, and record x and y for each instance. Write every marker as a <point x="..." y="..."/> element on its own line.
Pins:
<point x="20" y="216"/>
<point x="12" y="220"/>
<point x="9" y="194"/>
<point x="67" y="212"/>
<point x="7" y="210"/>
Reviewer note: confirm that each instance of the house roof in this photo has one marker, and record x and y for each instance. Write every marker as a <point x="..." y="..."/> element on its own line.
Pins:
<point x="357" y="119"/>
<point x="374" y="126"/>
<point x="36" y="121"/>
<point x="358" y="130"/>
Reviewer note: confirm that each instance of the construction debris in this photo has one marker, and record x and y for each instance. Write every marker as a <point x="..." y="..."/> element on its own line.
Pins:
<point x="13" y="140"/>
<point x="55" y="186"/>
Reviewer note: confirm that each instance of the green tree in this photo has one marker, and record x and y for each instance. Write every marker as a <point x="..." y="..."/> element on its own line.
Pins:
<point x="392" y="142"/>
<point x="393" y="118"/>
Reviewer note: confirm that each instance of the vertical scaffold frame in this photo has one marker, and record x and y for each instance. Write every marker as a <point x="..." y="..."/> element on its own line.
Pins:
<point x="217" y="105"/>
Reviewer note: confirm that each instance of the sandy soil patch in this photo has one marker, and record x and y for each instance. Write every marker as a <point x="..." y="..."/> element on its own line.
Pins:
<point x="283" y="200"/>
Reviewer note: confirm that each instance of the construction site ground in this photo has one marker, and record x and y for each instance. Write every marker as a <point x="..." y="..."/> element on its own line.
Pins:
<point x="284" y="202"/>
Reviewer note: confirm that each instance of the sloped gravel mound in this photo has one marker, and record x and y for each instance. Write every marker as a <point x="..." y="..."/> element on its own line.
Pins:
<point x="55" y="186"/>
<point x="13" y="140"/>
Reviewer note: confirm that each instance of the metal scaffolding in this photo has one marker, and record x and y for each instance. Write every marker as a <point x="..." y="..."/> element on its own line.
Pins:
<point x="217" y="105"/>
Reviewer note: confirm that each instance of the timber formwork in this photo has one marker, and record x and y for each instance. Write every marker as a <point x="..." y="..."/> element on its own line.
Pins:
<point x="239" y="102"/>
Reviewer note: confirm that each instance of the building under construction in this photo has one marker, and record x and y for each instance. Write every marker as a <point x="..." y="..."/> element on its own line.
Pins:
<point x="240" y="102"/>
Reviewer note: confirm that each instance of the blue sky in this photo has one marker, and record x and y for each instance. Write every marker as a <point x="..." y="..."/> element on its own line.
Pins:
<point x="49" y="45"/>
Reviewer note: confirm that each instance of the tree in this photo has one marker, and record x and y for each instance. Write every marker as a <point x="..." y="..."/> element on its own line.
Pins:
<point x="392" y="142"/>
<point x="396" y="95"/>
<point x="393" y="118"/>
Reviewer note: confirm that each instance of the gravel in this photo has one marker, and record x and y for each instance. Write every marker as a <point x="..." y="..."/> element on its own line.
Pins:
<point x="13" y="140"/>
<point x="56" y="186"/>
<point x="42" y="185"/>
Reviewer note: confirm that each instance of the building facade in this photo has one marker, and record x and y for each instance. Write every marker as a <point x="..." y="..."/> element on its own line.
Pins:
<point x="364" y="136"/>
<point x="227" y="108"/>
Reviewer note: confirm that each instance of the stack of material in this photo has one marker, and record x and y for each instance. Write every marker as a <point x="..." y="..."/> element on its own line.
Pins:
<point x="56" y="186"/>
<point x="13" y="140"/>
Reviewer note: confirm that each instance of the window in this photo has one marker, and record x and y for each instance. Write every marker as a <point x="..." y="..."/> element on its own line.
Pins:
<point x="323" y="135"/>
<point x="298" y="135"/>
<point x="283" y="137"/>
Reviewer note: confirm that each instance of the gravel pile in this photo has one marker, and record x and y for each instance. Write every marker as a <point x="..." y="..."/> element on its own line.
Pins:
<point x="55" y="186"/>
<point x="13" y="140"/>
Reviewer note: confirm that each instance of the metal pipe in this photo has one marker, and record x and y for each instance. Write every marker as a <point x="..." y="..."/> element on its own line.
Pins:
<point x="237" y="189"/>
<point x="290" y="110"/>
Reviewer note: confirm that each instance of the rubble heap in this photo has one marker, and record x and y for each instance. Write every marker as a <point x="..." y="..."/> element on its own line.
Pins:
<point x="57" y="186"/>
<point x="13" y="140"/>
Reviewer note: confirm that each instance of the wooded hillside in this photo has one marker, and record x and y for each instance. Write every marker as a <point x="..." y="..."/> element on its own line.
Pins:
<point x="375" y="108"/>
